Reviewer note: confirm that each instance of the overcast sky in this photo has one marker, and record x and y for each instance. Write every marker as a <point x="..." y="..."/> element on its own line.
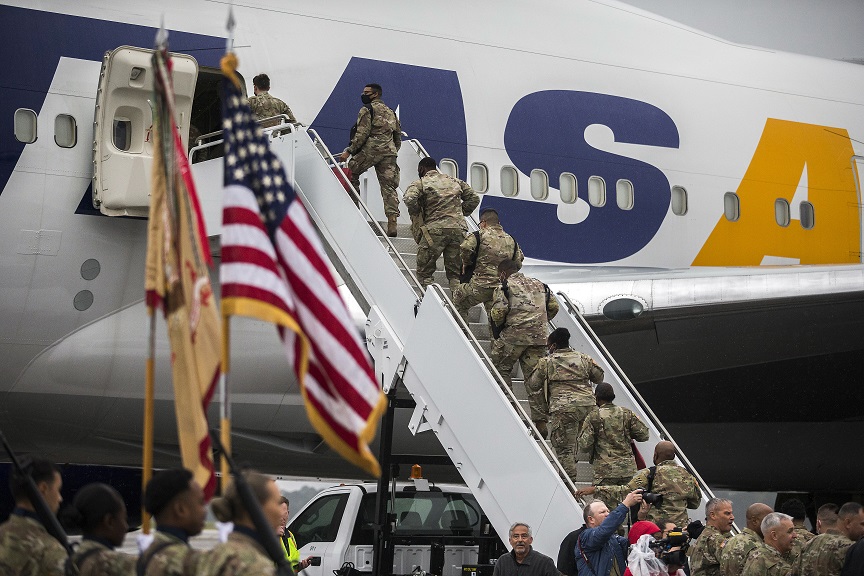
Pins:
<point x="826" y="28"/>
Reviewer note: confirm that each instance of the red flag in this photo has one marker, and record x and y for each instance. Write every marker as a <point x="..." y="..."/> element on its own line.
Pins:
<point x="177" y="279"/>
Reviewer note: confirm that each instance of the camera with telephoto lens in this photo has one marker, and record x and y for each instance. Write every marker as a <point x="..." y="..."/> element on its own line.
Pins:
<point x="676" y="539"/>
<point x="652" y="498"/>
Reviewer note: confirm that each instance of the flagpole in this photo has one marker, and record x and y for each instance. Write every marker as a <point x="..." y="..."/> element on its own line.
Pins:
<point x="225" y="403"/>
<point x="225" y="406"/>
<point x="149" y="393"/>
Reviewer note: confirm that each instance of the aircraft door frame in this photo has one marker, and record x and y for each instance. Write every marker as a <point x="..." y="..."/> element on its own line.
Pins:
<point x="857" y="165"/>
<point x="122" y="126"/>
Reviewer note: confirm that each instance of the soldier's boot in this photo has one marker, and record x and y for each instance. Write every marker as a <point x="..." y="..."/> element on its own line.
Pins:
<point x="391" y="226"/>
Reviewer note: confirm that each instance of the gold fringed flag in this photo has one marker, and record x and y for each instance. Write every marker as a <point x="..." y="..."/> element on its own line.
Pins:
<point x="274" y="268"/>
<point x="178" y="281"/>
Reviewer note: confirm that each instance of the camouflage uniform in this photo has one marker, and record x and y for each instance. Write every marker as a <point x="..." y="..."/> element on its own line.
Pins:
<point x="564" y="377"/>
<point x="706" y="552"/>
<point x="26" y="547"/>
<point x="605" y="437"/>
<point x="376" y="143"/>
<point x="241" y="554"/>
<point x="103" y="562"/>
<point x="737" y="549"/>
<point x="495" y="246"/>
<point x="443" y="202"/>
<point x="526" y="310"/>
<point x="802" y="536"/>
<point x="263" y="105"/>
<point x="767" y="561"/>
<point x="678" y="487"/>
<point x="824" y="555"/>
<point x="168" y="555"/>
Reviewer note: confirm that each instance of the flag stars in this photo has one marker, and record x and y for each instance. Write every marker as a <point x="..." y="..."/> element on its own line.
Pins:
<point x="280" y="196"/>
<point x="268" y="182"/>
<point x="238" y="174"/>
<point x="231" y="159"/>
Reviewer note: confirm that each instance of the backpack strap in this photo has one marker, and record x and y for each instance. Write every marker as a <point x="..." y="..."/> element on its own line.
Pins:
<point x="582" y="553"/>
<point x="145" y="558"/>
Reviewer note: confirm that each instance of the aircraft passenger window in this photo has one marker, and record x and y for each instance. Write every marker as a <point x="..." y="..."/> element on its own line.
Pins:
<point x="25" y="125"/>
<point x="449" y="167"/>
<point x="122" y="134"/>
<point x="568" y="188"/>
<point x="679" y="200"/>
<point x="596" y="191"/>
<point x="781" y="211"/>
<point x="509" y="181"/>
<point x="539" y="184"/>
<point x="808" y="215"/>
<point x="65" y="131"/>
<point x="479" y="178"/>
<point x="731" y="206"/>
<point x="624" y="194"/>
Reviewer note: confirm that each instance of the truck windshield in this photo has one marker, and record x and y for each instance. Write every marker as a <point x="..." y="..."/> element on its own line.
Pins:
<point x="432" y="514"/>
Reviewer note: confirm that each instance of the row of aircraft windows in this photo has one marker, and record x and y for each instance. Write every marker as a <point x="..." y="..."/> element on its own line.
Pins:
<point x="66" y="136"/>
<point x="65" y="128"/>
<point x="624" y="192"/>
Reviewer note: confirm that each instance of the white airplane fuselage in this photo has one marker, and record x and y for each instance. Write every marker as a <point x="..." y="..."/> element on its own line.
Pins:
<point x="610" y="141"/>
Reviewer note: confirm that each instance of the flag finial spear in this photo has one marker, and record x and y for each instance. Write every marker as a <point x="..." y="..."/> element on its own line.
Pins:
<point x="228" y="64"/>
<point x="162" y="35"/>
<point x="229" y="42"/>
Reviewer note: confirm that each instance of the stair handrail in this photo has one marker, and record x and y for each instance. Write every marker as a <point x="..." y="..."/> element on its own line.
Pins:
<point x="328" y="156"/>
<point x="502" y="385"/>
<point x="574" y="313"/>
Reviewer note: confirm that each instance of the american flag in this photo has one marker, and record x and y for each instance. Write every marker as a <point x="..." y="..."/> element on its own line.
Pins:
<point x="274" y="268"/>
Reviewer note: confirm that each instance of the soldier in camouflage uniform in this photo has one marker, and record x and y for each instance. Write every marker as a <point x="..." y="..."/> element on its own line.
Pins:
<point x="376" y="142"/>
<point x="26" y="547"/>
<point x="243" y="554"/>
<point x="263" y="105"/>
<point x="100" y="513"/>
<point x="774" y="557"/>
<point x="442" y="203"/>
<point x="522" y="307"/>
<point x="825" y="554"/>
<point x="177" y="503"/>
<point x="495" y="246"/>
<point x="605" y="437"/>
<point x="678" y="487"/>
<point x="561" y="382"/>
<point x="795" y="508"/>
<point x="738" y="548"/>
<point x="705" y="554"/>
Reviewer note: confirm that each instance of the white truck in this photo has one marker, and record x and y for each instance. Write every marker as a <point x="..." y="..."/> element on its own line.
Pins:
<point x="439" y="529"/>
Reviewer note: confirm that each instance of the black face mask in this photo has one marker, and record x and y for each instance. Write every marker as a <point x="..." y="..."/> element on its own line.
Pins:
<point x="365" y="98"/>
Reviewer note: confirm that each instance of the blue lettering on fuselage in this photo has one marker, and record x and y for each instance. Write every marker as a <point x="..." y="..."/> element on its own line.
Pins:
<point x="546" y="131"/>
<point x="429" y="102"/>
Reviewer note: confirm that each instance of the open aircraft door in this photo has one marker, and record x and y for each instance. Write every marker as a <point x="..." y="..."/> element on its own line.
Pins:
<point x="122" y="131"/>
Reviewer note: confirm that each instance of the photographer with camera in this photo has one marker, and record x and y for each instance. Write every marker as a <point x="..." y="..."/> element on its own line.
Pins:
<point x="668" y="488"/>
<point x="651" y="555"/>
<point x="599" y="550"/>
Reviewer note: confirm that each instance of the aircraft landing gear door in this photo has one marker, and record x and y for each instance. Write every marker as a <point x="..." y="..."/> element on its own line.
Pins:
<point x="317" y="532"/>
<point x="122" y="132"/>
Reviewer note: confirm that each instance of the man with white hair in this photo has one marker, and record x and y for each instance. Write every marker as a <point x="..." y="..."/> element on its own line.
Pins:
<point x="774" y="558"/>
<point x="523" y="559"/>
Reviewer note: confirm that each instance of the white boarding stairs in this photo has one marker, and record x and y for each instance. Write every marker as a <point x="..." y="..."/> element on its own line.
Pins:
<point x="459" y="395"/>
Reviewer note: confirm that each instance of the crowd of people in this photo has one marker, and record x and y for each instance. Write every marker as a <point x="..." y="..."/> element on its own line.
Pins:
<point x="177" y="504"/>
<point x="771" y="544"/>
